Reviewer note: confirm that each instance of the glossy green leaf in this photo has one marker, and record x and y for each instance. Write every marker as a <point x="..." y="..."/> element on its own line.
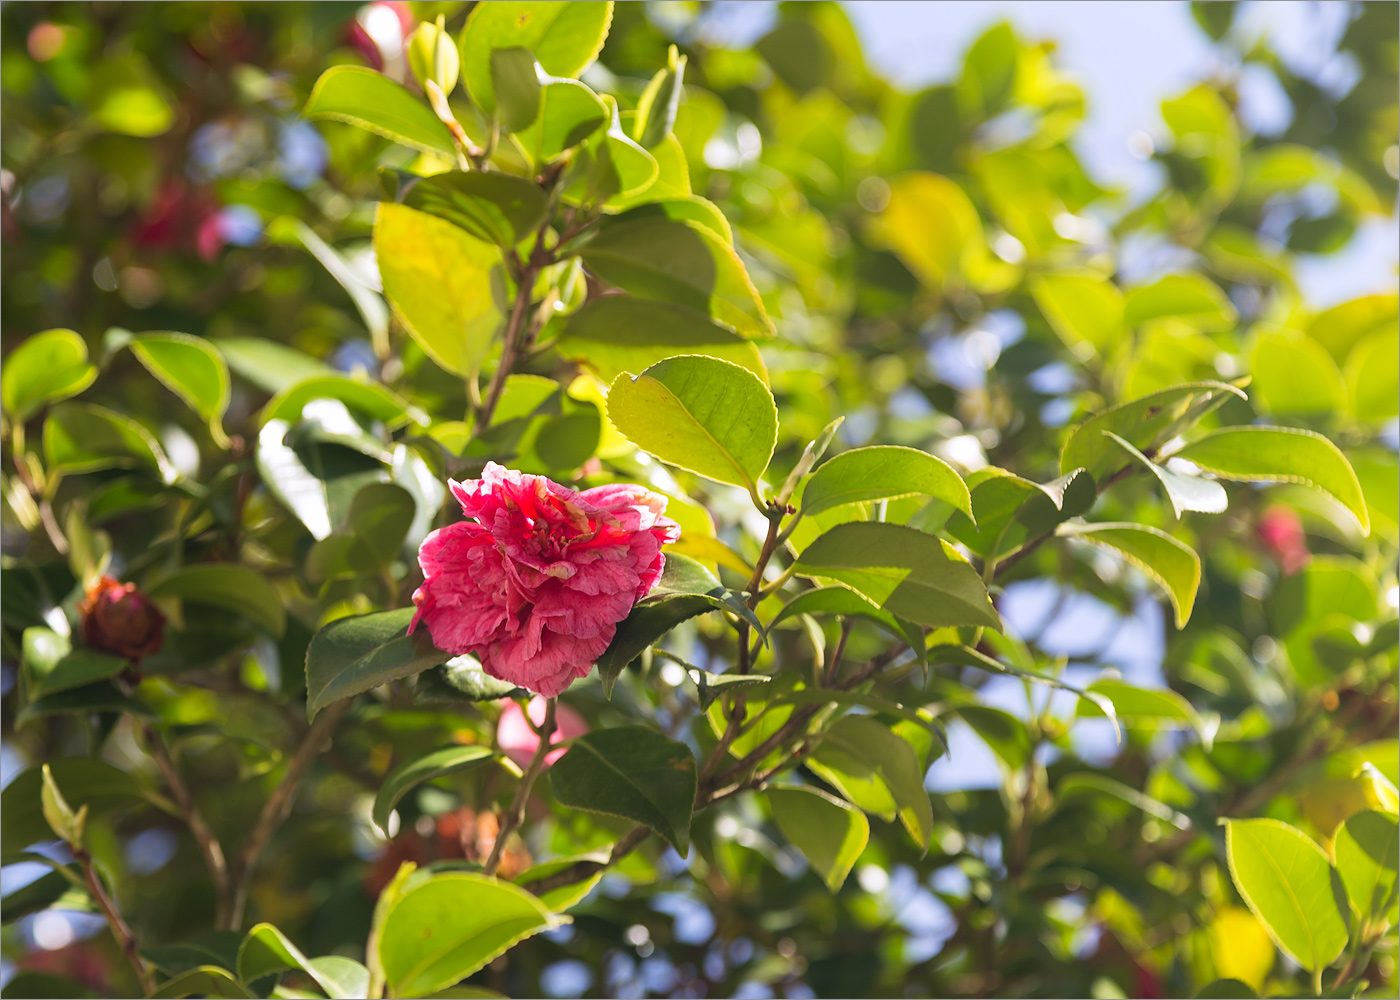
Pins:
<point x="516" y="87"/>
<point x="905" y="571"/>
<point x="569" y="114"/>
<point x="880" y="472"/>
<point x="846" y="602"/>
<point x="460" y="679"/>
<point x="51" y="665"/>
<point x="352" y="655"/>
<point x="1174" y="566"/>
<point x="701" y="414"/>
<point x="693" y="208"/>
<point x="435" y="764"/>
<point x="368" y="398"/>
<point x="1280" y="454"/>
<point x="645" y="624"/>
<point x="380" y="516"/>
<point x="1192" y="298"/>
<point x="1086" y="783"/>
<point x="1145" y="423"/>
<point x="449" y="925"/>
<point x="1145" y="707"/>
<point x="634" y="772"/>
<point x="44" y="368"/>
<point x="1085" y="310"/>
<point x="316" y="482"/>
<point x="86" y="781"/>
<point x="494" y="207"/>
<point x="564" y="38"/>
<point x="210" y="948"/>
<point x="1287" y="882"/>
<point x="931" y="224"/>
<point x="363" y="97"/>
<point x="680" y="262"/>
<point x="562" y="897"/>
<point x="267" y="364"/>
<point x="622" y="333"/>
<point x="203" y="981"/>
<point x="446" y="286"/>
<point x="830" y="834"/>
<point x="1226" y="989"/>
<point x="876" y="770"/>
<point x="1373" y="378"/>
<point x="191" y="368"/>
<point x="1012" y="511"/>
<point x="1185" y="492"/>
<point x="266" y="951"/>
<point x="656" y="108"/>
<point x="1366" y="851"/>
<point x="82" y="437"/>
<point x="1294" y="374"/>
<point x="368" y="301"/>
<point x="231" y="587"/>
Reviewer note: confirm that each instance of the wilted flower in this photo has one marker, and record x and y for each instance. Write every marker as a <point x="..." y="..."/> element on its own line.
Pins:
<point x="119" y="619"/>
<point x="534" y="587"/>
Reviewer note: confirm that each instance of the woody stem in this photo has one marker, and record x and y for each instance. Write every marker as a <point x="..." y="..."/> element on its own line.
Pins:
<point x="516" y="814"/>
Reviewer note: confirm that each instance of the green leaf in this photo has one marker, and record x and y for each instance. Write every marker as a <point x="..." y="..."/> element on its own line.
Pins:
<point x="1173" y="565"/>
<point x="1373" y="377"/>
<point x="368" y="398"/>
<point x="448" y="926"/>
<point x="634" y="772"/>
<point x="1006" y="735"/>
<point x="644" y="625"/>
<point x="233" y="588"/>
<point x="494" y="207"/>
<point x="1294" y="374"/>
<point x="460" y="679"/>
<point x="44" y="368"/>
<point x="903" y="570"/>
<point x="352" y="655"/>
<point x="622" y="333"/>
<point x="51" y="665"/>
<point x="1184" y="492"/>
<point x="881" y="472"/>
<point x="1226" y="989"/>
<point x="1191" y="298"/>
<point x="701" y="414"/>
<point x="847" y="602"/>
<point x="564" y="37"/>
<point x="446" y="286"/>
<point x="203" y="981"/>
<point x="1145" y="423"/>
<point x="87" y="781"/>
<point x="656" y="108"/>
<point x="191" y="368"/>
<point x="211" y="948"/>
<point x="367" y="301"/>
<point x="81" y="437"/>
<point x="267" y="364"/>
<point x="411" y="774"/>
<point x="127" y="97"/>
<point x="380" y="516"/>
<point x="1085" y="783"/>
<point x="569" y="114"/>
<point x="316" y="482"/>
<point x="709" y="688"/>
<point x="63" y="820"/>
<point x="693" y="208"/>
<point x="1287" y="882"/>
<point x="1366" y="851"/>
<point x="681" y="262"/>
<point x="1146" y="707"/>
<point x="516" y="87"/>
<point x="266" y="951"/>
<point x="878" y="771"/>
<point x="372" y="101"/>
<point x="562" y="897"/>
<point x="54" y="890"/>
<point x="830" y="834"/>
<point x="931" y="224"/>
<point x="1280" y="455"/>
<point x="1012" y="511"/>
<point x="1084" y="309"/>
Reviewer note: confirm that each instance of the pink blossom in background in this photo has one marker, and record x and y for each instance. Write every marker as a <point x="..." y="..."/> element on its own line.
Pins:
<point x="535" y="585"/>
<point x="519" y="741"/>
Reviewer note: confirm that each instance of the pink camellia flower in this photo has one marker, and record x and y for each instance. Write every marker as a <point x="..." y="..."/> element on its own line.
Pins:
<point x="534" y="587"/>
<point x="519" y="740"/>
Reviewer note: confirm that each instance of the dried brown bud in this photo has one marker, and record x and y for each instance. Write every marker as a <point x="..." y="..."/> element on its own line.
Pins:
<point x="119" y="619"/>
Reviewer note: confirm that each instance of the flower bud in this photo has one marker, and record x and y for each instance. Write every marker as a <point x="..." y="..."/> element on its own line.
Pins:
<point x="119" y="619"/>
<point x="432" y="55"/>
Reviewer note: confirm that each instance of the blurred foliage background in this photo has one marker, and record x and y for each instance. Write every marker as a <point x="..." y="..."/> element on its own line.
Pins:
<point x="155" y="170"/>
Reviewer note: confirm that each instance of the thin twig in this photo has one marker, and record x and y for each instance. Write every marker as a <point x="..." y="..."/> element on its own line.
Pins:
<point x="581" y="870"/>
<point x="278" y="807"/>
<point x="209" y="845"/>
<point x="120" y="930"/>
<point x="513" y="818"/>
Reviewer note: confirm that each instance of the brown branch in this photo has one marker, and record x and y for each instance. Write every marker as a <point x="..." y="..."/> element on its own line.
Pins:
<point x="278" y="807"/>
<point x="516" y="815"/>
<point x="120" y="930"/>
<point x="580" y="870"/>
<point x="209" y="845"/>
